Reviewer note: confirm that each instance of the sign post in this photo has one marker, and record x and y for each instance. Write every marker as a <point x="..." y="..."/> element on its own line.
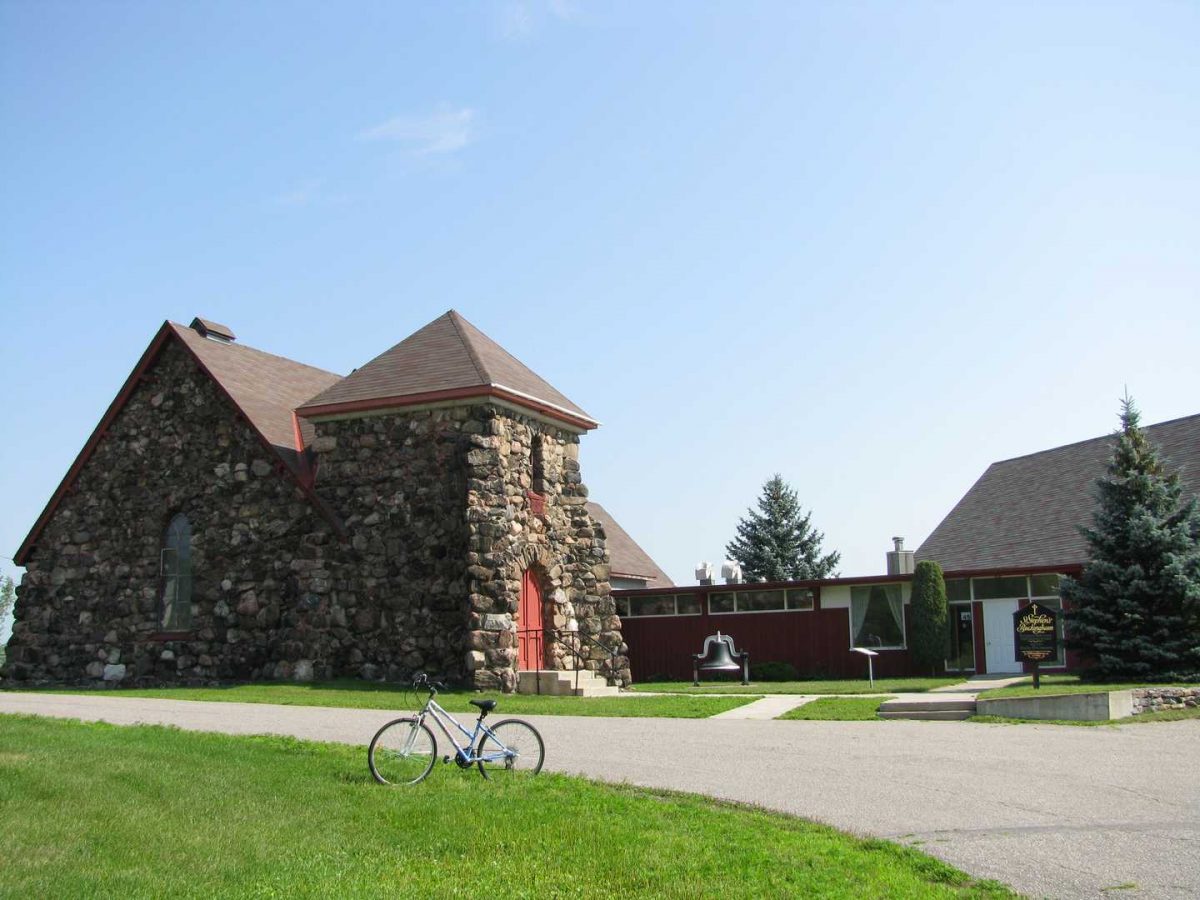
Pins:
<point x="1035" y="636"/>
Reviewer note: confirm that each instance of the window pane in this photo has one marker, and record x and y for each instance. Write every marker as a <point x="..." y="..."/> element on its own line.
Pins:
<point x="1044" y="586"/>
<point x="687" y="604"/>
<point x="622" y="606"/>
<point x="958" y="590"/>
<point x="877" y="616"/>
<point x="962" y="639"/>
<point x="720" y="603"/>
<point x="760" y="601"/>
<point x="800" y="600"/>
<point x="1000" y="588"/>
<point x="663" y="605"/>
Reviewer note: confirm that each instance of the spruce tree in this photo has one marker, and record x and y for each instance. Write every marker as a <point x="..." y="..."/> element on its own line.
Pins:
<point x="777" y="542"/>
<point x="1135" y="609"/>
<point x="930" y="637"/>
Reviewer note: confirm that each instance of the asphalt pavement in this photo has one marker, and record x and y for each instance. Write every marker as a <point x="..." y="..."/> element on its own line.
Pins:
<point x="1054" y="811"/>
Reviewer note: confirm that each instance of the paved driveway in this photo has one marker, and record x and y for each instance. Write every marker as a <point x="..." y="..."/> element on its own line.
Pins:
<point x="1052" y="810"/>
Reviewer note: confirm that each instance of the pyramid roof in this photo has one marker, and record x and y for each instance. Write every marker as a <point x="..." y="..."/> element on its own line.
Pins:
<point x="447" y="359"/>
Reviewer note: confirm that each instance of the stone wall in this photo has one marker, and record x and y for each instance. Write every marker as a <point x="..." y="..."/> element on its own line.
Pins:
<point x="512" y="528"/>
<point x="442" y="495"/>
<point x="88" y="607"/>
<point x="1159" y="699"/>
<point x="439" y="527"/>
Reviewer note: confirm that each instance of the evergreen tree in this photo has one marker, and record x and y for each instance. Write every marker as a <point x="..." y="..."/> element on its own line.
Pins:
<point x="1135" y="609"/>
<point x="778" y="542"/>
<point x="930" y="638"/>
<point x="7" y="597"/>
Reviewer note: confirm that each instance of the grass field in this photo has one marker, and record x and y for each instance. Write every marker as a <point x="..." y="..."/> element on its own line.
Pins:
<point x="101" y="810"/>
<point x="850" y="686"/>
<point x="839" y="709"/>
<point x="1065" y="684"/>
<point x="368" y="695"/>
<point x="1166" y="715"/>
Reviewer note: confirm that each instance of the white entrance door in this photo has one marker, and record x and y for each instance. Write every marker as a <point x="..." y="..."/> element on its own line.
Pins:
<point x="998" y="635"/>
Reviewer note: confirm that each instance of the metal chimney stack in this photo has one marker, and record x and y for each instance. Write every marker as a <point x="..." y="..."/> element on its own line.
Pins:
<point x="899" y="560"/>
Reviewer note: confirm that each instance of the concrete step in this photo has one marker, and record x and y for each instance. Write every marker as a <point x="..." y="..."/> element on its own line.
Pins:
<point x="933" y="709"/>
<point x="929" y="715"/>
<point x="920" y="705"/>
<point x="563" y="684"/>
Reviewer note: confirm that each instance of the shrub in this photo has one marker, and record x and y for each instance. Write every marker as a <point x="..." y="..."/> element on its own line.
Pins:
<point x="773" y="671"/>
<point x="930" y="635"/>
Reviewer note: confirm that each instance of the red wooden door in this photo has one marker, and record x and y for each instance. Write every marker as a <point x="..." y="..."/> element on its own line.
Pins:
<point x="529" y="622"/>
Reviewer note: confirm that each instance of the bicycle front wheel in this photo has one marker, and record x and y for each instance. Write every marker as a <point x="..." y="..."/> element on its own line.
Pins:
<point x="512" y="746"/>
<point x="402" y="752"/>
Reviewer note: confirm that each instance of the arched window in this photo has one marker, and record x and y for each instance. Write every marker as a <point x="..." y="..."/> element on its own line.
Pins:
<point x="175" y="564"/>
<point x="538" y="454"/>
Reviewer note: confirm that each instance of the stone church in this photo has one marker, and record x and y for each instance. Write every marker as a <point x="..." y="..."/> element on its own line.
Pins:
<point x="237" y="516"/>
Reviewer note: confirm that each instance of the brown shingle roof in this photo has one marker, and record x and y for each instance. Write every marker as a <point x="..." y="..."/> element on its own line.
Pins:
<point x="447" y="355"/>
<point x="265" y="387"/>
<point x="624" y="555"/>
<point x="1026" y="512"/>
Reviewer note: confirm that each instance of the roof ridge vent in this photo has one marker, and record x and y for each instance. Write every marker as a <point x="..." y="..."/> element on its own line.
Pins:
<point x="214" y="331"/>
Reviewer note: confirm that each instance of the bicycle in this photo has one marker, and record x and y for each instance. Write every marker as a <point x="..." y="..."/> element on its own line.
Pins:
<point x="404" y="750"/>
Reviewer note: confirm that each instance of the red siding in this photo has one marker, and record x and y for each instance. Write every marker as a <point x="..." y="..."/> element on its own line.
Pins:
<point x="817" y="643"/>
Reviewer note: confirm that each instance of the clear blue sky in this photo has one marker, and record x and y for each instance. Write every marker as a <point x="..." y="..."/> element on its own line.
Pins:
<point x="871" y="246"/>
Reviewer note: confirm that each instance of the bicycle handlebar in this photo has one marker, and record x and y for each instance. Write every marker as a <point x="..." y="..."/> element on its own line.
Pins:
<point x="421" y="680"/>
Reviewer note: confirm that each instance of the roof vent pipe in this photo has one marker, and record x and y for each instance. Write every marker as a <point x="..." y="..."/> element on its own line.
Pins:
<point x="731" y="572"/>
<point x="704" y="573"/>
<point x="899" y="561"/>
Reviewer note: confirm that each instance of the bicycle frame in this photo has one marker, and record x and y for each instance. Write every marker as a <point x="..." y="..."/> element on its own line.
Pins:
<point x="441" y="717"/>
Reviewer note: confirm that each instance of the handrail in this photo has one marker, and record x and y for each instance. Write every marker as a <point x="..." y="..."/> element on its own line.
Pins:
<point x="575" y="650"/>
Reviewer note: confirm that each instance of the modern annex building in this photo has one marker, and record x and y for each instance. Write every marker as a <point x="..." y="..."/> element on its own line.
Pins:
<point x="238" y="515"/>
<point x="1004" y="544"/>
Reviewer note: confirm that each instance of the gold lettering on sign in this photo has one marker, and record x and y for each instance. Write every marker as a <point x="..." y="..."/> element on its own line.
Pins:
<point x="1039" y="623"/>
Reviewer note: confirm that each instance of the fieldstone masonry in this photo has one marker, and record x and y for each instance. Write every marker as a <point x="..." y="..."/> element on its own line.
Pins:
<point x="1158" y="699"/>
<point x="420" y="568"/>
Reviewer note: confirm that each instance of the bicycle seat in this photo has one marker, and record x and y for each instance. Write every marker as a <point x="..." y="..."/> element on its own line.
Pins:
<point x="485" y="705"/>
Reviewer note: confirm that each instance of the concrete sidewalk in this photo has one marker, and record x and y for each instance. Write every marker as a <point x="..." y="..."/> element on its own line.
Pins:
<point x="1053" y="811"/>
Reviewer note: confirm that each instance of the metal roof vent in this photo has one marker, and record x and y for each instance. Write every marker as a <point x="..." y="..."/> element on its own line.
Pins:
<point x="731" y="572"/>
<point x="704" y="573"/>
<point x="214" y="331"/>
<point x="899" y="561"/>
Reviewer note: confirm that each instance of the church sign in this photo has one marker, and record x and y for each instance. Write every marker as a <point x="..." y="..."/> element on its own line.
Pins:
<point x="1035" y="629"/>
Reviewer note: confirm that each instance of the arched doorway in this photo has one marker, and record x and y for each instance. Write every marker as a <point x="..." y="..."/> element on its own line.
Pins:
<point x="530" y="636"/>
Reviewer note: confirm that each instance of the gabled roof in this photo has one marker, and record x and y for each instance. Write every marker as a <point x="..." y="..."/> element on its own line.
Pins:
<point x="262" y="387"/>
<point x="265" y="387"/>
<point x="449" y="358"/>
<point x="625" y="557"/>
<point x="1026" y="512"/>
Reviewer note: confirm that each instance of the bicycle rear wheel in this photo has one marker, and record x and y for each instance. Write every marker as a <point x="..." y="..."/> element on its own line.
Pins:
<point x="512" y="747"/>
<point x="402" y="752"/>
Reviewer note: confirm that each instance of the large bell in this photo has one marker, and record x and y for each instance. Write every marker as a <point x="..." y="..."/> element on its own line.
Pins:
<point x="719" y="659"/>
<point x="719" y="655"/>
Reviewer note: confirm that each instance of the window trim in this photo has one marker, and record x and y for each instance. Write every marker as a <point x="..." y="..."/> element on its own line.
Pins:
<point x="903" y="622"/>
<point x="759" y="612"/>
<point x="671" y="615"/>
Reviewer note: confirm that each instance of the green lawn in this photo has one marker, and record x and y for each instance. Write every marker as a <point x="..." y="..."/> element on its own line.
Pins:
<point x="1166" y="715"/>
<point x="850" y="686"/>
<point x="369" y="695"/>
<point x="1064" y="684"/>
<point x="839" y="709"/>
<point x="101" y="810"/>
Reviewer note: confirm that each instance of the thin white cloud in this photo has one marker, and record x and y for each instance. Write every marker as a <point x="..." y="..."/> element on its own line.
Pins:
<point x="520" y="20"/>
<point x="309" y="193"/>
<point x="445" y="131"/>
